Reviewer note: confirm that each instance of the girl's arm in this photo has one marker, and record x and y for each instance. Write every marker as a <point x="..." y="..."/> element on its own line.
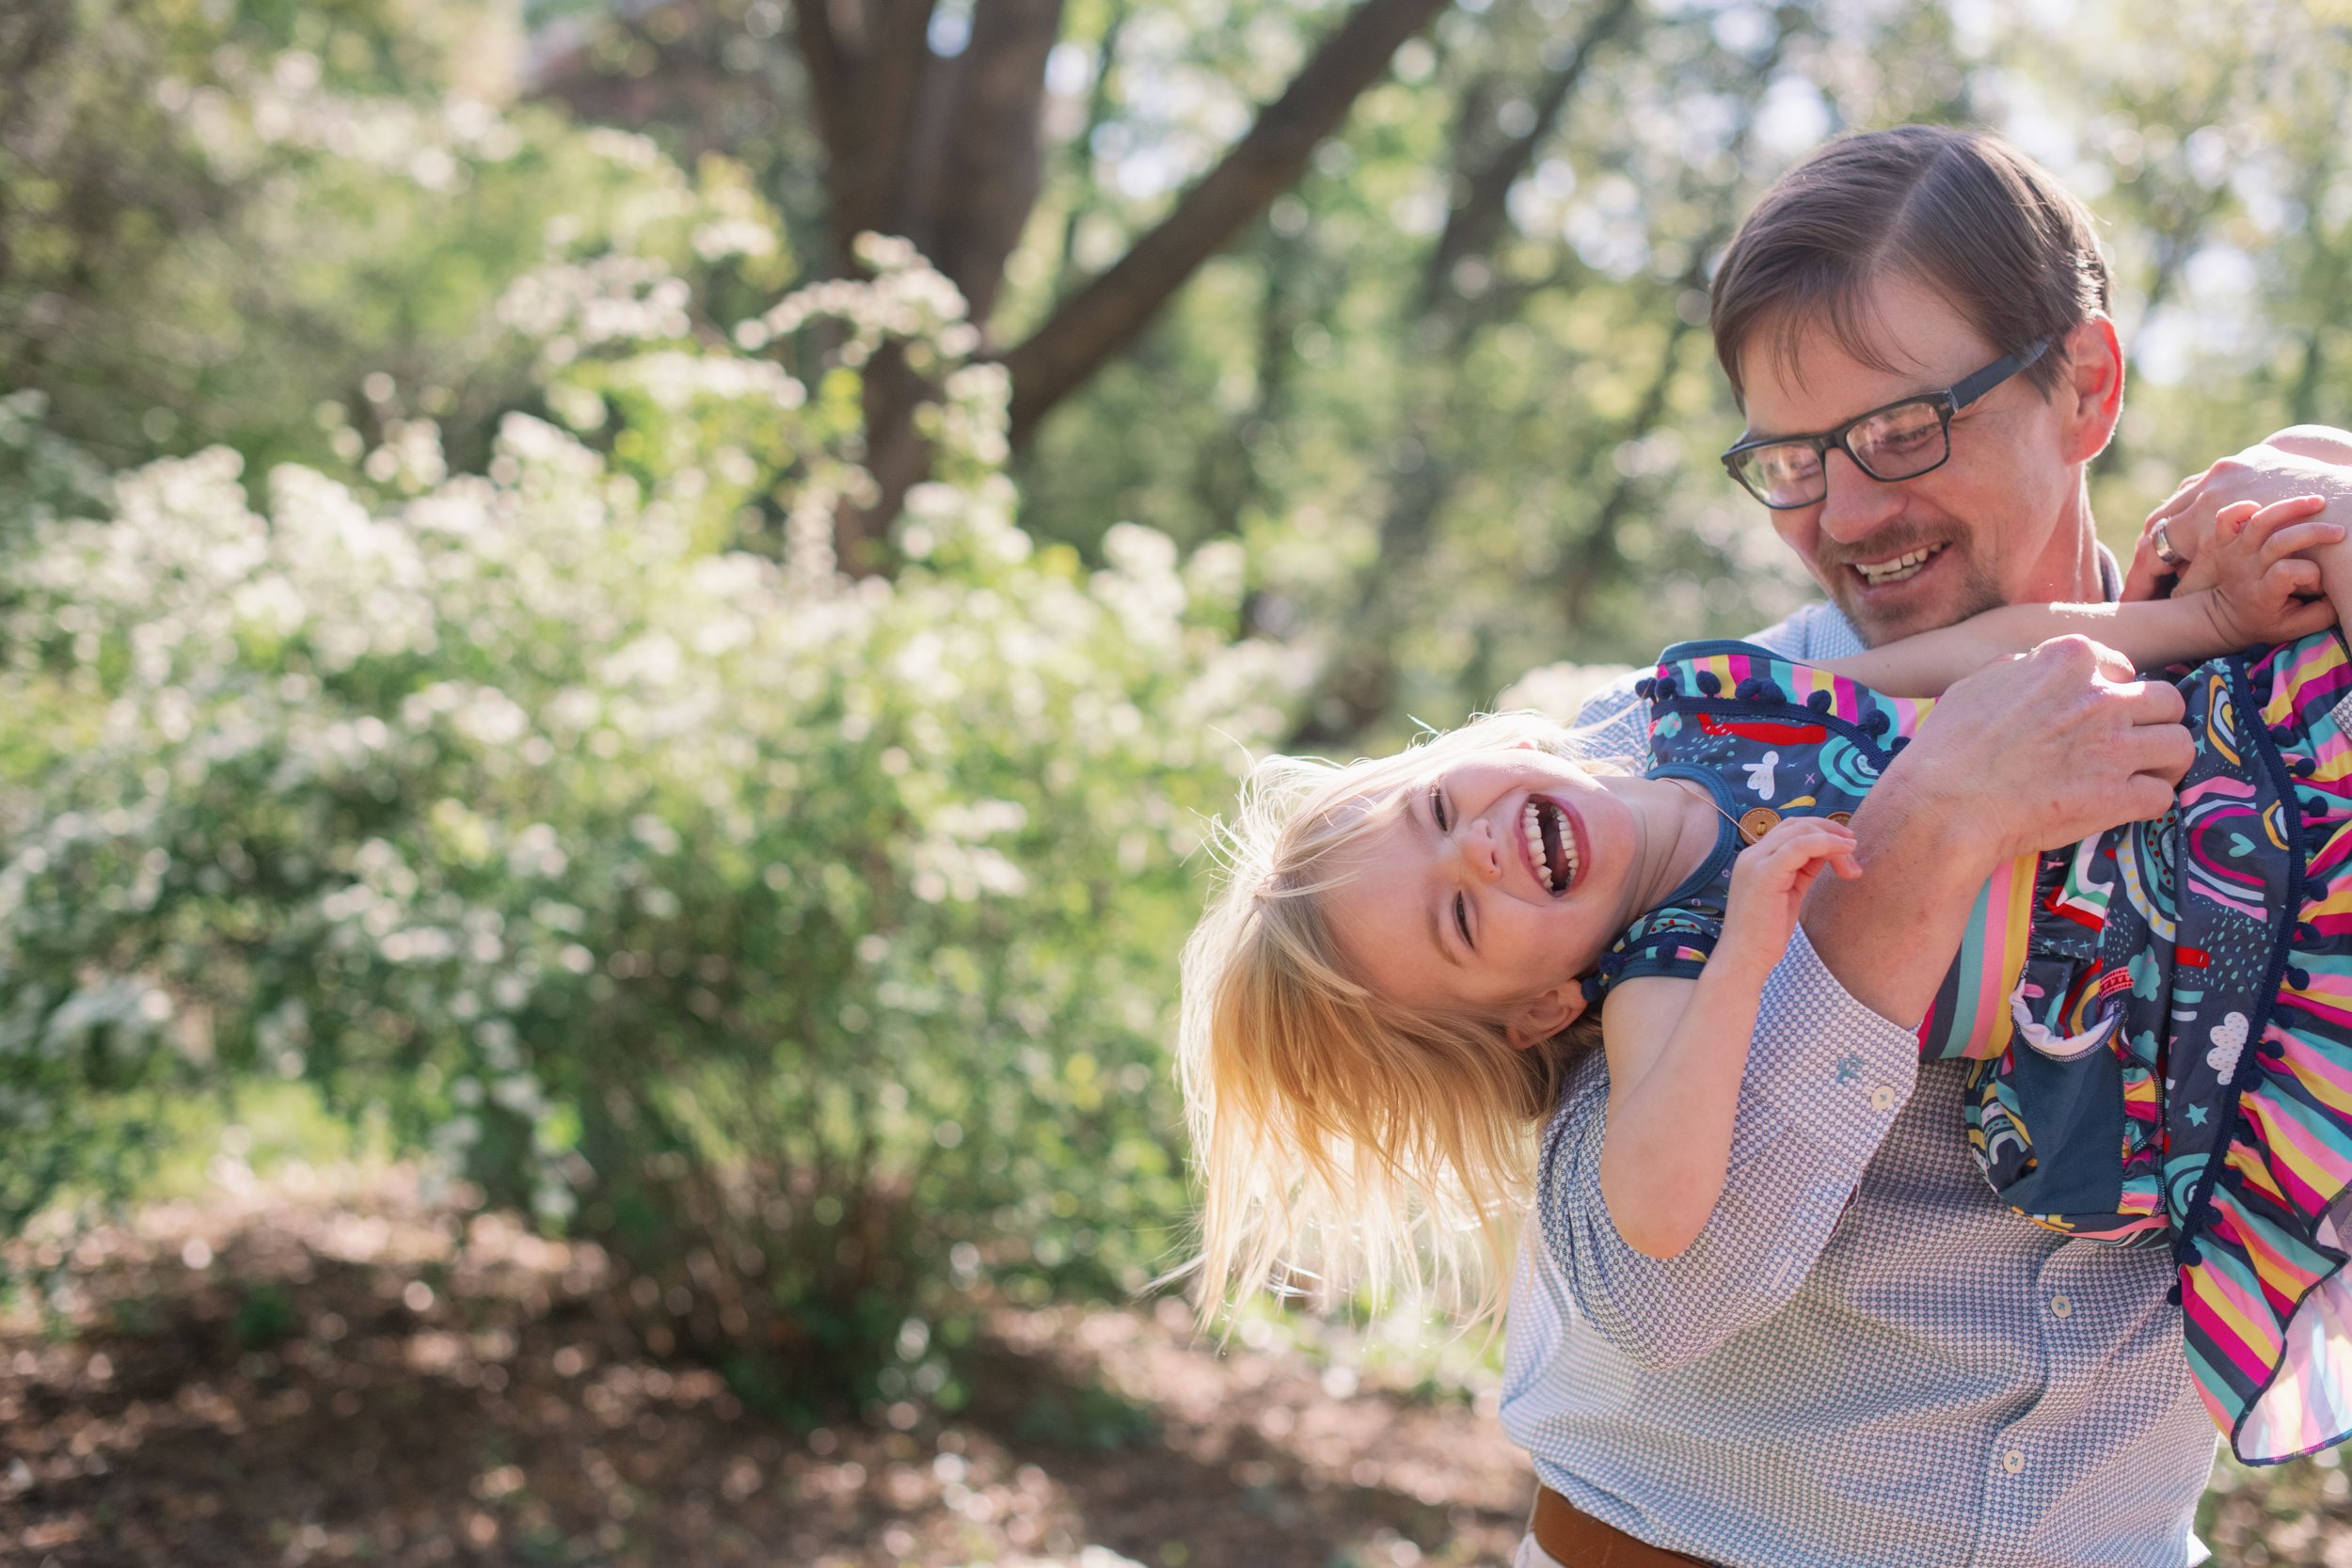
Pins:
<point x="1677" y="1048"/>
<point x="2257" y="582"/>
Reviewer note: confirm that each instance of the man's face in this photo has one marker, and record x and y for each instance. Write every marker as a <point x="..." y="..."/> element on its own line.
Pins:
<point x="2000" y="523"/>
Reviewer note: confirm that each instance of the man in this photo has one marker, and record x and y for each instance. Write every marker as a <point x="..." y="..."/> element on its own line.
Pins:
<point x="1864" y="1359"/>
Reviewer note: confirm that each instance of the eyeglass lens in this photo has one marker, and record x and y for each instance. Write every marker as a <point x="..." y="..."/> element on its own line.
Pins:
<point x="1901" y="442"/>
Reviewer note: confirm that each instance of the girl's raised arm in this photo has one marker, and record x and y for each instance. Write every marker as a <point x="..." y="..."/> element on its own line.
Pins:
<point x="1677" y="1048"/>
<point x="2261" y="578"/>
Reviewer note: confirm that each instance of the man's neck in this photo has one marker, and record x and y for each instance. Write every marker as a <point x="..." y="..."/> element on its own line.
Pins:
<point x="2080" y="570"/>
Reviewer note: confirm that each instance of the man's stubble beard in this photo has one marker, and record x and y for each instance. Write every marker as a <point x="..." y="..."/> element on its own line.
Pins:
<point x="1971" y="589"/>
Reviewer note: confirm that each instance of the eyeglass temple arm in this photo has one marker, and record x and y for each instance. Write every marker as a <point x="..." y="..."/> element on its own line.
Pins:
<point x="1993" y="374"/>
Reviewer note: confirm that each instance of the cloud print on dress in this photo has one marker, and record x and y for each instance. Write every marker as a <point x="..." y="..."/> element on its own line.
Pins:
<point x="2229" y="1043"/>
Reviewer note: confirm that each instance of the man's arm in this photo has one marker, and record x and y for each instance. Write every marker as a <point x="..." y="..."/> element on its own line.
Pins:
<point x="1834" y="1055"/>
<point x="2024" y="756"/>
<point x="1825" y="1080"/>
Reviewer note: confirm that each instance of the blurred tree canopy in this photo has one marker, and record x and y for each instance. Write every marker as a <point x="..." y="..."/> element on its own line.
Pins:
<point x="1454" y="386"/>
<point x="443" y="451"/>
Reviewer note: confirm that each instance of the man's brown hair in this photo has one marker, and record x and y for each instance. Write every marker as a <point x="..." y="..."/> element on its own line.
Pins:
<point x="1961" y="212"/>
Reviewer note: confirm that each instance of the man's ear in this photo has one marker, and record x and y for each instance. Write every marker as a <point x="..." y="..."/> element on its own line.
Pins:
<point x="2090" y="394"/>
<point x="1539" y="1019"/>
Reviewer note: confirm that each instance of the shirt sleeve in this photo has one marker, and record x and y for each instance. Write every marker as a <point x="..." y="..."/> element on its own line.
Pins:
<point x="1824" y="1081"/>
<point x="1613" y="724"/>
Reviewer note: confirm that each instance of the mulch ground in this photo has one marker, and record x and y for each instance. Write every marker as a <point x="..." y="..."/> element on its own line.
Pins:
<point x="332" y="1369"/>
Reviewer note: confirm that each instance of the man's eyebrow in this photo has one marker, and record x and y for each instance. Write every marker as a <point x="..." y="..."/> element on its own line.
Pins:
<point x="1437" y="935"/>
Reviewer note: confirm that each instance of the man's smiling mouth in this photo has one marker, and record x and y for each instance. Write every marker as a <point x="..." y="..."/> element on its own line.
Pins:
<point x="1901" y="568"/>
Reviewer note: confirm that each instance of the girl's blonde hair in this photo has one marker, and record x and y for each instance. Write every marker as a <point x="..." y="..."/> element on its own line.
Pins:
<point x="1341" y="1139"/>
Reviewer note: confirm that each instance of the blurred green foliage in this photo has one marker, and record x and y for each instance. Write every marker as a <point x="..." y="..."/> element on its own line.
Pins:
<point x="248" y="224"/>
<point x="802" y="942"/>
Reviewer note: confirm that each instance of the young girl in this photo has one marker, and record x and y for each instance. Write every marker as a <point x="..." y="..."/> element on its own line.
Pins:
<point x="1386" y="994"/>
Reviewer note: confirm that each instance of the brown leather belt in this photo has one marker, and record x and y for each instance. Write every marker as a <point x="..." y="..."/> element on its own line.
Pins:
<point x="1575" y="1539"/>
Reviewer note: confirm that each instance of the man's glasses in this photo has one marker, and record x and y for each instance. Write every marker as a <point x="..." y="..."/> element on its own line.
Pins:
<point x="1901" y="441"/>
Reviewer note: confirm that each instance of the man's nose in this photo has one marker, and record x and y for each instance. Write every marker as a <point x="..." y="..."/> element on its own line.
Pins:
<point x="1857" y="505"/>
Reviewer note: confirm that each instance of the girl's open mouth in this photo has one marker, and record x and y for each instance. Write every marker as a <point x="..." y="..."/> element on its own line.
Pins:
<point x="1552" y="846"/>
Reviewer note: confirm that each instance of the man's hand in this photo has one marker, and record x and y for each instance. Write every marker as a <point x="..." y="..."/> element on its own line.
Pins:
<point x="2038" y="752"/>
<point x="2301" y="460"/>
<point x="2026" y="755"/>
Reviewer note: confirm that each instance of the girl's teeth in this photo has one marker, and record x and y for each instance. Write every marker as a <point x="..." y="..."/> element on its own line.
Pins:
<point x="1532" y="826"/>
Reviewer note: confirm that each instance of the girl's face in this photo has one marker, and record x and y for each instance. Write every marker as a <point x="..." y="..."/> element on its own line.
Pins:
<point x="1489" y="882"/>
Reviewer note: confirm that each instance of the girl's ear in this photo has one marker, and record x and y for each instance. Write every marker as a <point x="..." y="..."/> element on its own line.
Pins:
<point x="1539" y="1019"/>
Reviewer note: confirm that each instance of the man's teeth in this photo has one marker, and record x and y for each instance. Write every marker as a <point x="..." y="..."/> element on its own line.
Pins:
<point x="1532" y="825"/>
<point x="1879" y="573"/>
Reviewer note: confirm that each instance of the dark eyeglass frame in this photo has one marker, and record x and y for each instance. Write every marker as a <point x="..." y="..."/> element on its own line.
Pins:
<point x="1948" y="401"/>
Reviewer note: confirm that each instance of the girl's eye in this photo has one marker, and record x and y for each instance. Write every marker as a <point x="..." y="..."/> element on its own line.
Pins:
<point x="1437" y="809"/>
<point x="1461" y="918"/>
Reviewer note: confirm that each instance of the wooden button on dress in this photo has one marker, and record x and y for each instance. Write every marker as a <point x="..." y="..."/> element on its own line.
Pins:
<point x="1756" y="823"/>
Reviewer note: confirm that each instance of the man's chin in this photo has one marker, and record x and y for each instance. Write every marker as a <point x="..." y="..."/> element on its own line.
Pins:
<point x="1881" y="617"/>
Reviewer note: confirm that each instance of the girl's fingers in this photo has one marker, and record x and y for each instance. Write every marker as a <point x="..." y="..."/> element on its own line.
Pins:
<point x="2279" y="514"/>
<point x="2233" y="517"/>
<point x="2293" y="538"/>
<point x="2294" y="576"/>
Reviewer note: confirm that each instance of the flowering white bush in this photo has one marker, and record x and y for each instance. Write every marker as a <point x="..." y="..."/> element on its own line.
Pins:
<point x="806" y="940"/>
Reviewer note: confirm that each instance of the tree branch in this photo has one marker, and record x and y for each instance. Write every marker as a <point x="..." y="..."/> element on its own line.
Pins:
<point x="1104" y="316"/>
<point x="1471" y="226"/>
<point x="1099" y="104"/>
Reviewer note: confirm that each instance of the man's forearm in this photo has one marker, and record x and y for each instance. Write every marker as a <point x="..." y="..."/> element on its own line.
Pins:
<point x="1825" y="1080"/>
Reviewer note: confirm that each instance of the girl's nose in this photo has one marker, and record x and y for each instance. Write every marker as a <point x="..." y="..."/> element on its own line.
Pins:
<point x="1482" y="848"/>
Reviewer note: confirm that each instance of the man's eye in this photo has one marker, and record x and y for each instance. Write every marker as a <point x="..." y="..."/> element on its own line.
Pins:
<point x="1461" y="918"/>
<point x="1437" y="809"/>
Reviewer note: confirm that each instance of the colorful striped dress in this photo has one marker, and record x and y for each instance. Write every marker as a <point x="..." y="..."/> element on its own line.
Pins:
<point x="2158" y="1020"/>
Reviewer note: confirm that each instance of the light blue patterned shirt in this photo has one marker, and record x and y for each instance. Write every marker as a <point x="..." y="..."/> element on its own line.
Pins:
<point x="1914" y="1379"/>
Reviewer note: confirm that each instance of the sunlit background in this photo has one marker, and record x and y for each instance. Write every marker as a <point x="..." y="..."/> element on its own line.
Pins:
<point x="618" y="622"/>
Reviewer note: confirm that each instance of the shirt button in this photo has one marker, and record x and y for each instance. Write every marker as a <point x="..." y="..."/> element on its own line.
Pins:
<point x="2013" y="1461"/>
<point x="1881" y="1097"/>
<point x="2062" y="1307"/>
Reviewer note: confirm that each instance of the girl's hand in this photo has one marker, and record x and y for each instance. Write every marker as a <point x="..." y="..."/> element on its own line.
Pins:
<point x="2304" y="459"/>
<point x="1769" y="883"/>
<point x="2264" y="587"/>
